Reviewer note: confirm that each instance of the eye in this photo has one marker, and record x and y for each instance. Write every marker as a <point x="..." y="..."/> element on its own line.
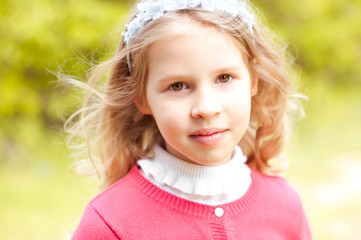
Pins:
<point x="177" y="86"/>
<point x="224" y="78"/>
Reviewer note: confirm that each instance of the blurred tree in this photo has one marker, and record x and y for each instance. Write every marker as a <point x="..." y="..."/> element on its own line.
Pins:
<point x="326" y="35"/>
<point x="44" y="34"/>
<point x="41" y="35"/>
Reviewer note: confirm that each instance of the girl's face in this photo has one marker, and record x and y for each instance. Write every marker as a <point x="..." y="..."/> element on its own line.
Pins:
<point x="199" y="92"/>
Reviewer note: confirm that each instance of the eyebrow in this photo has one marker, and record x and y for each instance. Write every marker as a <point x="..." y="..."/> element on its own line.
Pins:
<point x="215" y="72"/>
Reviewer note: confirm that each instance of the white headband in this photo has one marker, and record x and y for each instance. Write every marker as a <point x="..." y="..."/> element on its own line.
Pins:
<point x="153" y="9"/>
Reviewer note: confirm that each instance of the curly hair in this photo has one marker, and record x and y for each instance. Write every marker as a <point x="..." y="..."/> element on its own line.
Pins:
<point x="117" y="134"/>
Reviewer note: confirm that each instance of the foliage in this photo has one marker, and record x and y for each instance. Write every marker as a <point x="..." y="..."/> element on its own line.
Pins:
<point x="325" y="36"/>
<point x="42" y="36"/>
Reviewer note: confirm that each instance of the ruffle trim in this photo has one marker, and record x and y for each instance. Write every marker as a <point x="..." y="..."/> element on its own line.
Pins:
<point x="230" y="179"/>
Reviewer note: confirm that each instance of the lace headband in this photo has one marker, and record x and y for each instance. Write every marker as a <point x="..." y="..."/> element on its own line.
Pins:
<point x="153" y="9"/>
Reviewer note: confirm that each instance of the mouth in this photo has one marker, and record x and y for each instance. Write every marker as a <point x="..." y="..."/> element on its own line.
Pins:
<point x="208" y="136"/>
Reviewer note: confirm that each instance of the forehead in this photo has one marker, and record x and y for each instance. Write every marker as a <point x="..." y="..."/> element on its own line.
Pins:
<point x="197" y="53"/>
<point x="189" y="32"/>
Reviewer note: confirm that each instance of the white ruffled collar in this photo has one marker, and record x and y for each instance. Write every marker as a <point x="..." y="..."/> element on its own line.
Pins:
<point x="205" y="184"/>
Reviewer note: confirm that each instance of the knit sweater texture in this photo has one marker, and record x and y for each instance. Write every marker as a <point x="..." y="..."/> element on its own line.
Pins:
<point x="134" y="208"/>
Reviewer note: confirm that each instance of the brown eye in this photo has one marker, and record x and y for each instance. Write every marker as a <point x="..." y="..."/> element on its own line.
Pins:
<point x="177" y="86"/>
<point x="224" y="78"/>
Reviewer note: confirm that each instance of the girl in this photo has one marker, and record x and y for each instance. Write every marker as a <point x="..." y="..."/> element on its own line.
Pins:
<point x="193" y="111"/>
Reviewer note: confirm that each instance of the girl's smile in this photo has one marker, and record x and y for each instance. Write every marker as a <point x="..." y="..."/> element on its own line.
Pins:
<point x="208" y="136"/>
<point x="199" y="92"/>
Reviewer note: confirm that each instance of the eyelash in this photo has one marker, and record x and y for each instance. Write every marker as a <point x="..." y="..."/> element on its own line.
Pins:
<point x="184" y="86"/>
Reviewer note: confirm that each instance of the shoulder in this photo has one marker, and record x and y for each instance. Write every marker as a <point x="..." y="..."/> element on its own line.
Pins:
<point x="276" y="187"/>
<point x="108" y="209"/>
<point x="281" y="205"/>
<point x="277" y="196"/>
<point x="124" y="195"/>
<point x="93" y="227"/>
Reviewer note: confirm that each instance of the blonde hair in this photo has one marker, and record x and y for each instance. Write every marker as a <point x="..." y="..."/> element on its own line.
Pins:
<point x="117" y="134"/>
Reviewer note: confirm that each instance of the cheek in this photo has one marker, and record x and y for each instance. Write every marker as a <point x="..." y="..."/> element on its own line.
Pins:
<point x="240" y="112"/>
<point x="238" y="107"/>
<point x="168" y="116"/>
<point x="239" y="99"/>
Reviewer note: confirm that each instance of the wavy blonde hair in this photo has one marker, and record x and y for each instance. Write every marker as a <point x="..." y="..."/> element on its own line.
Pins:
<point x="117" y="134"/>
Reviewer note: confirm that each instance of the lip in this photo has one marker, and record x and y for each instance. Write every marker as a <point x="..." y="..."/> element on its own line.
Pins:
<point x="208" y="136"/>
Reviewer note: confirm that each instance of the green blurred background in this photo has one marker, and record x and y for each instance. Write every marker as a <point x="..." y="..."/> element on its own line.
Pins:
<point x="41" y="196"/>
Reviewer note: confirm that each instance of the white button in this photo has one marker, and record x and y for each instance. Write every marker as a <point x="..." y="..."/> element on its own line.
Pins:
<point x="219" y="212"/>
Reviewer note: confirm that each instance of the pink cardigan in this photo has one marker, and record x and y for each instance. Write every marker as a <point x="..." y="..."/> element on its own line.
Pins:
<point x="134" y="208"/>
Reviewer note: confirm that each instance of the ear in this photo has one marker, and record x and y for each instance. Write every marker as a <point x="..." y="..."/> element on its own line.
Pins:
<point x="142" y="106"/>
<point x="254" y="77"/>
<point x="254" y="84"/>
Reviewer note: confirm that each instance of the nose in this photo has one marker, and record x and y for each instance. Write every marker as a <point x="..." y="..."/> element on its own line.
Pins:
<point x="206" y="105"/>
